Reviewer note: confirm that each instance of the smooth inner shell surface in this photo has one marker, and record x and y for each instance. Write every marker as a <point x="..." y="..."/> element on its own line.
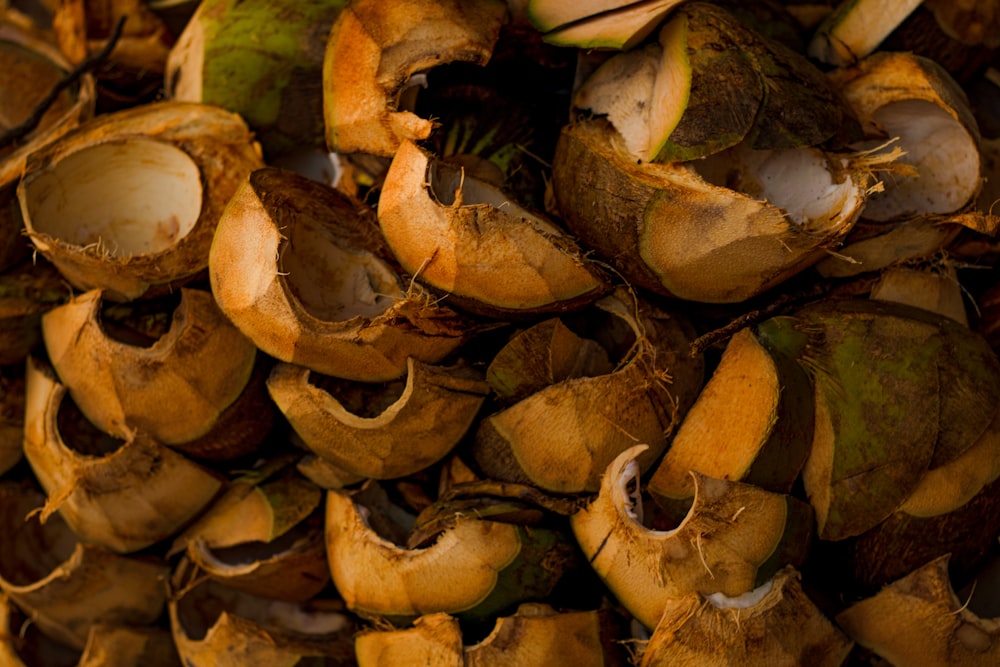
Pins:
<point x="131" y="196"/>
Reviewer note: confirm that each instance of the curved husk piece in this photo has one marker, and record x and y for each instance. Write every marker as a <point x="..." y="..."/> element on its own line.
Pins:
<point x="950" y="485"/>
<point x="302" y="271"/>
<point x="124" y="498"/>
<point x="130" y="201"/>
<point x="598" y="25"/>
<point x="918" y="620"/>
<point x="253" y="512"/>
<point x="913" y="98"/>
<point x="562" y="437"/>
<point x="457" y="234"/>
<point x="238" y="57"/>
<point x="752" y="423"/>
<point x="855" y="28"/>
<point x="710" y="82"/>
<point x="65" y="586"/>
<point x="775" y="624"/>
<point x="375" y="46"/>
<point x="676" y="233"/>
<point x="934" y="288"/>
<point x="173" y="390"/>
<point x="729" y="534"/>
<point x="30" y="66"/>
<point x="435" y="410"/>
<point x="377" y="577"/>
<point x="215" y="626"/>
<point x="265" y="539"/>
<point x="875" y="246"/>
<point x="537" y="636"/>
<point x="870" y="451"/>
<point x="434" y="639"/>
<point x="292" y="568"/>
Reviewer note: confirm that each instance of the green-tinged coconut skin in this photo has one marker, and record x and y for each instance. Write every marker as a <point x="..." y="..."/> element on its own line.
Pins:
<point x="262" y="59"/>
<point x="899" y="390"/>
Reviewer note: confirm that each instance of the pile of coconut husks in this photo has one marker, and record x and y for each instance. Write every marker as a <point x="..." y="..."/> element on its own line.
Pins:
<point x="485" y="333"/>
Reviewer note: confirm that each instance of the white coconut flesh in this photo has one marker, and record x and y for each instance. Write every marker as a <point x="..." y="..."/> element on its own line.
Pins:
<point x="333" y="283"/>
<point x="944" y="153"/>
<point x="797" y="180"/>
<point x="630" y="500"/>
<point x="125" y="198"/>
<point x="745" y="601"/>
<point x="643" y="92"/>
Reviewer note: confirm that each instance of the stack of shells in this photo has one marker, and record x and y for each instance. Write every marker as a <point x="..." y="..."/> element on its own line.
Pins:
<point x="224" y="380"/>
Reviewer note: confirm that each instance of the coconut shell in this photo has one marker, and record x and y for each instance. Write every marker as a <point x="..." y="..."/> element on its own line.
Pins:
<point x="775" y="624"/>
<point x="173" y="390"/>
<point x="126" y="496"/>
<point x="192" y="158"/>
<point x="671" y="231"/>
<point x="373" y="49"/>
<point x="562" y="437"/>
<point x="435" y="410"/>
<point x="281" y="238"/>
<point x="456" y="234"/>
<point x="65" y="586"/>
<point x="918" y="620"/>
<point x="730" y="532"/>
<point x="214" y="626"/>
<point x="752" y="422"/>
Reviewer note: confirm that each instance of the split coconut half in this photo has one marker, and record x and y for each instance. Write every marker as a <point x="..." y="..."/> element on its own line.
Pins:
<point x="457" y="234"/>
<point x="303" y="271"/>
<point x="129" y="203"/>
<point x="376" y="47"/>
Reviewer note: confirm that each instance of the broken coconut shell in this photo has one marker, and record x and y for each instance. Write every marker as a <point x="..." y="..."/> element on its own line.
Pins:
<point x="734" y="537"/>
<point x="913" y="98"/>
<point x="66" y="586"/>
<point x="302" y="271"/>
<point x="775" y="624"/>
<point x="262" y="60"/>
<point x="599" y="24"/>
<point x="215" y="626"/>
<point x="752" y="422"/>
<point x="927" y="392"/>
<point x="433" y="639"/>
<point x="457" y="234"/>
<point x="855" y="28"/>
<point x="919" y="621"/>
<point x="373" y="50"/>
<point x="264" y="539"/>
<point x="174" y="390"/>
<point x="431" y="414"/>
<point x="709" y="83"/>
<point x="680" y="230"/>
<point x="473" y="568"/>
<point x="129" y="202"/>
<point x="123" y="495"/>
<point x="562" y="437"/>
